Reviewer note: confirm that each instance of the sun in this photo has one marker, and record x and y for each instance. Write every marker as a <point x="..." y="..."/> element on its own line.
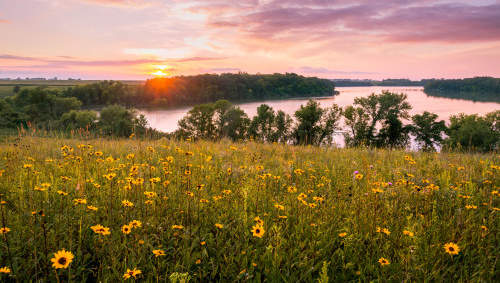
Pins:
<point x="160" y="71"/>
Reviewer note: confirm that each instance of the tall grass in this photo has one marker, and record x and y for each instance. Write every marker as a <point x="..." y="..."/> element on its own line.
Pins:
<point x="321" y="220"/>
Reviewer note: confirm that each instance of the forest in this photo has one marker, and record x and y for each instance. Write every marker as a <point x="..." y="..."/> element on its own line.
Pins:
<point x="485" y="89"/>
<point x="192" y="90"/>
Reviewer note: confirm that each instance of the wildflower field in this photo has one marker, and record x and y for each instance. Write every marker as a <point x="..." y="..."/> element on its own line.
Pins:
<point x="112" y="210"/>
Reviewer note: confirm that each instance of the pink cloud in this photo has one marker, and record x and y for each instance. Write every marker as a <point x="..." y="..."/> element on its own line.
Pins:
<point x="393" y="20"/>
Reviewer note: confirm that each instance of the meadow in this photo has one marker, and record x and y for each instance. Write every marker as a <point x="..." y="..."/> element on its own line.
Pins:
<point x="164" y="210"/>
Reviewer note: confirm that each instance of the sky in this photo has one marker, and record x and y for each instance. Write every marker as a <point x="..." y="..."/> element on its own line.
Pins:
<point x="357" y="39"/>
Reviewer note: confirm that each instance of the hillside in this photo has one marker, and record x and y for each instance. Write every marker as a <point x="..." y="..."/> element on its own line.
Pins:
<point x="228" y="212"/>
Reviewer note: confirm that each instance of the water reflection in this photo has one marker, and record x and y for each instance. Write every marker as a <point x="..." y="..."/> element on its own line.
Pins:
<point x="166" y="120"/>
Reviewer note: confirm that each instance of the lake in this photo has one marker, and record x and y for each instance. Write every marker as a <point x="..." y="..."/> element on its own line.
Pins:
<point x="166" y="120"/>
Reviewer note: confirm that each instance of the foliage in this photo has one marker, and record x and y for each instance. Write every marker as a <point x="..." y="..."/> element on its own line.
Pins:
<point x="214" y="121"/>
<point x="270" y="126"/>
<point x="372" y="215"/>
<point x="427" y="130"/>
<point x="189" y="90"/>
<point x="474" y="132"/>
<point x="316" y="125"/>
<point x="42" y="105"/>
<point x="79" y="119"/>
<point x="477" y="89"/>
<point x="9" y="116"/>
<point x="117" y="120"/>
<point x="376" y="120"/>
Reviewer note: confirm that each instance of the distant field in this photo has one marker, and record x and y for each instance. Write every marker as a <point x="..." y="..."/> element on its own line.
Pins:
<point x="7" y="87"/>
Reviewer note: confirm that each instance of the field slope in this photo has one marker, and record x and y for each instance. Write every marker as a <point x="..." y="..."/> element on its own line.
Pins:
<point x="244" y="211"/>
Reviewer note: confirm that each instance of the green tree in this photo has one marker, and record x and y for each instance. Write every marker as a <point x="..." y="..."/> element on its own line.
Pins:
<point x="377" y="120"/>
<point x="74" y="119"/>
<point x="427" y="130"/>
<point x="117" y="120"/>
<point x="316" y="125"/>
<point x="9" y="116"/>
<point x="237" y="124"/>
<point x="474" y="132"/>
<point x="198" y="123"/>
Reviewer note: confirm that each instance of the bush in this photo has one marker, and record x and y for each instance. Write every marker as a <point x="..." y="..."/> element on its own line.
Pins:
<point x="117" y="120"/>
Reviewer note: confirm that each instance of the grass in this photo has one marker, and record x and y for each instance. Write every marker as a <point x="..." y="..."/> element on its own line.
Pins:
<point x="319" y="219"/>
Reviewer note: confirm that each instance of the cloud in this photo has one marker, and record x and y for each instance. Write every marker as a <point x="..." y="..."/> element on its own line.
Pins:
<point x="223" y="70"/>
<point x="326" y="71"/>
<point x="391" y="20"/>
<point x="121" y="3"/>
<point x="2" y="21"/>
<point x="72" y="61"/>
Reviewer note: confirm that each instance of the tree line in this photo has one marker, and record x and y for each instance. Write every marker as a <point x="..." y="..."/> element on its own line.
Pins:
<point x="476" y="89"/>
<point x="50" y="110"/>
<point x="379" y="120"/>
<point x="192" y="90"/>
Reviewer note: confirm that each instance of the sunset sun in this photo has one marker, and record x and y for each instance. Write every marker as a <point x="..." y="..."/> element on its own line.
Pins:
<point x="160" y="71"/>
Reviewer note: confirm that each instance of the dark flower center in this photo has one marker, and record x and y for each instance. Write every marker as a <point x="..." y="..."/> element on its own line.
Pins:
<point x="257" y="231"/>
<point x="451" y="249"/>
<point x="62" y="261"/>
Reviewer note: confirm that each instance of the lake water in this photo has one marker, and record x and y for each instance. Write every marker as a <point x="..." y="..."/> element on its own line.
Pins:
<point x="166" y="120"/>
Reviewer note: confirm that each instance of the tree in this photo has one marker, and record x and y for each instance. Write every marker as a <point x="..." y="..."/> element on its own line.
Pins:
<point x="10" y="117"/>
<point x="198" y="123"/>
<point x="237" y="124"/>
<point x="270" y="126"/>
<point x="376" y="120"/>
<point x="282" y="127"/>
<point x="117" y="120"/>
<point x="74" y="119"/>
<point x="16" y="89"/>
<point x="427" y="130"/>
<point x="474" y="132"/>
<point x="261" y="127"/>
<point x="316" y="125"/>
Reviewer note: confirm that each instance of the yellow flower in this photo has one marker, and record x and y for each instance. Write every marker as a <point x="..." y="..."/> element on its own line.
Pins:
<point x="4" y="230"/>
<point x="127" y="203"/>
<point x="135" y="224"/>
<point x="451" y="248"/>
<point x="158" y="253"/>
<point x="80" y="201"/>
<point x="408" y="233"/>
<point x="62" y="259"/>
<point x="150" y="194"/>
<point x="218" y="225"/>
<point x="179" y="227"/>
<point x="131" y="273"/>
<point x="359" y="176"/>
<point x="203" y="243"/>
<point x="62" y="193"/>
<point x="258" y="231"/>
<point x="126" y="229"/>
<point x="383" y="261"/>
<point x="91" y="207"/>
<point x="5" y="270"/>
<point x="343" y="234"/>
<point x="279" y="206"/>
<point x="258" y="220"/>
<point x="471" y="207"/>
<point x="101" y="230"/>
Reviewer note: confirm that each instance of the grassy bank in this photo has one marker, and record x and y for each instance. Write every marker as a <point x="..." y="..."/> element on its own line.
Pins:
<point x="247" y="211"/>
